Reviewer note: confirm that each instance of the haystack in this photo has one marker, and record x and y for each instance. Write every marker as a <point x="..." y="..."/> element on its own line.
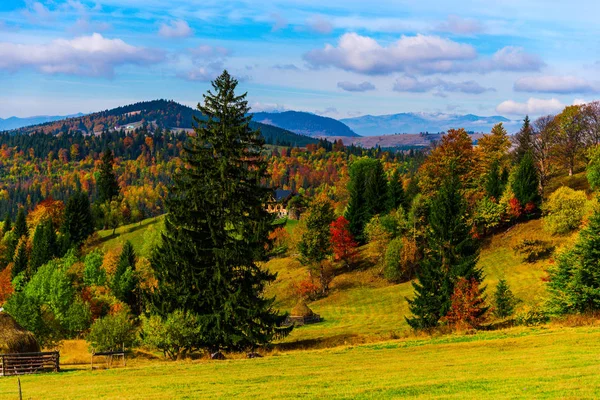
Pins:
<point x="301" y="314"/>
<point x="15" y="339"/>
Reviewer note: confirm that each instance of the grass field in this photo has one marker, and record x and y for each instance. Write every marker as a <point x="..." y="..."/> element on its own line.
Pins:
<point x="555" y="362"/>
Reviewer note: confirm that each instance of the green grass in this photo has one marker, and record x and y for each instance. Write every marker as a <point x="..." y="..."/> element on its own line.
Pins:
<point x="132" y="232"/>
<point x="515" y="363"/>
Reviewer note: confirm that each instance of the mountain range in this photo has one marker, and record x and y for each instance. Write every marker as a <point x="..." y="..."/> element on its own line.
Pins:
<point x="304" y="123"/>
<point x="16" y="122"/>
<point x="375" y="125"/>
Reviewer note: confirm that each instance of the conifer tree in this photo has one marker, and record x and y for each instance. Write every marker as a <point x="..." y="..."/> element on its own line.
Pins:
<point x="396" y="198"/>
<point x="525" y="185"/>
<point x="78" y="221"/>
<point x="20" y="228"/>
<point x="451" y="254"/>
<point x="217" y="229"/>
<point x="124" y="280"/>
<point x="505" y="300"/>
<point x="21" y="258"/>
<point x="108" y="187"/>
<point x="7" y="226"/>
<point x="524" y="139"/>
<point x="493" y="182"/>
<point x="44" y="245"/>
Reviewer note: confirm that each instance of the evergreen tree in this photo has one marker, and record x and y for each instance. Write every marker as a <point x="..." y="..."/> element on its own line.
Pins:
<point x="452" y="254"/>
<point x="526" y="182"/>
<point x="356" y="213"/>
<point x="7" y="226"/>
<point x="44" y="245"/>
<point x="124" y="281"/>
<point x="493" y="182"/>
<point x="524" y="139"/>
<point x="108" y="187"/>
<point x="505" y="300"/>
<point x="396" y="198"/>
<point x="20" y="228"/>
<point x="217" y="229"/>
<point x="78" y="221"/>
<point x="575" y="279"/>
<point x="20" y="259"/>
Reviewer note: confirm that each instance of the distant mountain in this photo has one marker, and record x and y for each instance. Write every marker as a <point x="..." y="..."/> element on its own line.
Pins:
<point x="305" y="123"/>
<point x="16" y="122"/>
<point x="374" y="125"/>
<point x="160" y="113"/>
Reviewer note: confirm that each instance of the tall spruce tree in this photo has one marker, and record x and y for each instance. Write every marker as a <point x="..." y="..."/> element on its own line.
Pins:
<point x="524" y="141"/>
<point x="108" y="187"/>
<point x="217" y="229"/>
<point x="20" y="228"/>
<point x="452" y="254"/>
<point x="395" y="195"/>
<point x="124" y="281"/>
<point x="525" y="184"/>
<point x="78" y="221"/>
<point x="7" y="226"/>
<point x="21" y="258"/>
<point x="493" y="182"/>
<point x="44" y="245"/>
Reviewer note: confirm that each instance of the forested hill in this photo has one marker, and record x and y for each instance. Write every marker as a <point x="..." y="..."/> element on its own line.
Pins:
<point x="304" y="123"/>
<point x="159" y="113"/>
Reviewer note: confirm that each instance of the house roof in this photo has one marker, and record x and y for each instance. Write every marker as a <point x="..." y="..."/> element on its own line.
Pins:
<point x="281" y="195"/>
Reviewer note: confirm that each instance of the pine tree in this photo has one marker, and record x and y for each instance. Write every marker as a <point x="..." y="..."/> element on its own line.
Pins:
<point x="452" y="254"/>
<point x="44" y="245"/>
<point x="504" y="299"/>
<point x="21" y="258"/>
<point x="124" y="280"/>
<point x="493" y="182"/>
<point x="356" y="213"/>
<point x="108" y="187"/>
<point x="217" y="229"/>
<point x="7" y="226"/>
<point x="78" y="221"/>
<point x="20" y="228"/>
<point x="395" y="196"/>
<point x="525" y="185"/>
<point x="524" y="139"/>
<point x="575" y="279"/>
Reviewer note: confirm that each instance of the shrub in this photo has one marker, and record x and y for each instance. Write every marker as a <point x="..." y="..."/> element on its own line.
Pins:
<point x="307" y="289"/>
<point x="78" y="317"/>
<point x="468" y="309"/>
<point x="488" y="214"/>
<point x="565" y="210"/>
<point x="400" y="259"/>
<point x="533" y="250"/>
<point x="593" y="168"/>
<point x="530" y="316"/>
<point x="112" y="332"/>
<point x="93" y="273"/>
<point x="176" y="336"/>
<point x="504" y="300"/>
<point x="280" y="240"/>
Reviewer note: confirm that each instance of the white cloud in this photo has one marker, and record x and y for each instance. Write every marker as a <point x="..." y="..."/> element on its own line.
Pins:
<point x="533" y="106"/>
<point x="39" y="14"/>
<point x="356" y="87"/>
<point x="206" y="51"/>
<point x="319" y="24"/>
<point x="511" y="58"/>
<point x="556" y="84"/>
<point x="279" y="22"/>
<point x="460" y="26"/>
<point x="365" y="55"/>
<point x="411" y="84"/>
<point x="86" y="55"/>
<point x="203" y="73"/>
<point x="175" y="29"/>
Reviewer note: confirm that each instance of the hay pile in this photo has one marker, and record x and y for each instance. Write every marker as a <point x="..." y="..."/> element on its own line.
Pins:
<point x="301" y="310"/>
<point x="15" y="339"/>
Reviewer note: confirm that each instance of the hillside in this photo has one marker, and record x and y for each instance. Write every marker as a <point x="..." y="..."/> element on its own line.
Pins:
<point x="373" y="125"/>
<point x="304" y="123"/>
<point x="160" y="113"/>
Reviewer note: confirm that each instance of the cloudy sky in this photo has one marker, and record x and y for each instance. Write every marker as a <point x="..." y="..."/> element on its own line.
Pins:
<point x="336" y="58"/>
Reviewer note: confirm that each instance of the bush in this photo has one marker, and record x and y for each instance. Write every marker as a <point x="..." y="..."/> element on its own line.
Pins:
<point x="468" y="309"/>
<point x="593" y="168"/>
<point x="307" y="289"/>
<point x="530" y="316"/>
<point x="533" y="250"/>
<point x="400" y="260"/>
<point x="488" y="214"/>
<point x="565" y="210"/>
<point x="112" y="332"/>
<point x="93" y="273"/>
<point x="176" y="337"/>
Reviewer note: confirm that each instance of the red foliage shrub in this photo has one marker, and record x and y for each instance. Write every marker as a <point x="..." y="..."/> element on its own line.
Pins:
<point x="514" y="208"/>
<point x="468" y="308"/>
<point x="342" y="241"/>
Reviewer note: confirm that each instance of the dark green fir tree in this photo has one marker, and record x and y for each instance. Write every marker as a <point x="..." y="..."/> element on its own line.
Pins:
<point x="451" y="254"/>
<point x="524" y="141"/>
<point x="493" y="182"/>
<point x="7" y="226"/>
<point x="78" y="221"/>
<point x="525" y="185"/>
<point x="108" y="186"/>
<point x="217" y="229"/>
<point x="20" y="228"/>
<point x="44" y="245"/>
<point x="21" y="259"/>
<point x="395" y="198"/>
<point x="124" y="281"/>
<point x="504" y="299"/>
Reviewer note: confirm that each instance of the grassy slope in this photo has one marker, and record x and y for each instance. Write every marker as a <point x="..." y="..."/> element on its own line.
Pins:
<point x="515" y="363"/>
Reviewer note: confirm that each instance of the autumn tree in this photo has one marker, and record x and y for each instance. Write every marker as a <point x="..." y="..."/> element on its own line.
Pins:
<point x="217" y="228"/>
<point x="343" y="243"/>
<point x="315" y="244"/>
<point x="493" y="148"/>
<point x="451" y="254"/>
<point x="572" y="128"/>
<point x="544" y="148"/>
<point x="468" y="308"/>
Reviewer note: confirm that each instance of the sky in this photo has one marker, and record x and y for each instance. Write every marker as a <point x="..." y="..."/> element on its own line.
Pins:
<point x="338" y="58"/>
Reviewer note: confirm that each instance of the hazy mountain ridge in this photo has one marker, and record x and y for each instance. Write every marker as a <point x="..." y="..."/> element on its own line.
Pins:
<point x="376" y="125"/>
<point x="16" y="122"/>
<point x="305" y="123"/>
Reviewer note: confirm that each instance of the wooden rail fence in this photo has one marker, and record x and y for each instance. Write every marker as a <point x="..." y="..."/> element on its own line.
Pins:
<point x="29" y="363"/>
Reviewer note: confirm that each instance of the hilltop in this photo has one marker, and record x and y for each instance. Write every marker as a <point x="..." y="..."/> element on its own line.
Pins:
<point x="305" y="123"/>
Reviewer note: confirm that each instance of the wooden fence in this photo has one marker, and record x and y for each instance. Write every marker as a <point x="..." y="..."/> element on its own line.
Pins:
<point x="29" y="363"/>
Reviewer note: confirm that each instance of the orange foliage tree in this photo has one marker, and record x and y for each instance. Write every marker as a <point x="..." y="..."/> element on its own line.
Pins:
<point x="468" y="308"/>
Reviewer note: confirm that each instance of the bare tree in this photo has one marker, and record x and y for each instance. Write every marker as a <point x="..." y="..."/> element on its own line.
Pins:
<point x="544" y="147"/>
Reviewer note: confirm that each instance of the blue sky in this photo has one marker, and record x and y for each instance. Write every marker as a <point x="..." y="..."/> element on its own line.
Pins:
<point x="335" y="58"/>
